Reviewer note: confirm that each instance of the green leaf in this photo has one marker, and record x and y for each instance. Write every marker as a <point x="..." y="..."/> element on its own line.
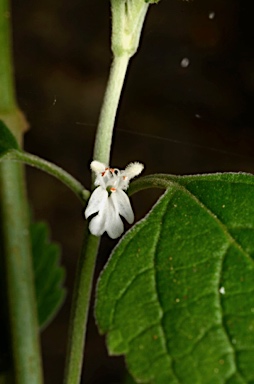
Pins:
<point x="7" y="140"/>
<point x="49" y="276"/>
<point x="128" y="379"/>
<point x="176" y="297"/>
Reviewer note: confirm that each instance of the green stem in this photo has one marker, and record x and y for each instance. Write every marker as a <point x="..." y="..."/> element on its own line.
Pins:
<point x="158" y="181"/>
<point x="84" y="277"/>
<point x="127" y="22"/>
<point x="80" y="307"/>
<point x="51" y="169"/>
<point x="104" y="133"/>
<point x="6" y="68"/>
<point x="15" y="239"/>
<point x="19" y="276"/>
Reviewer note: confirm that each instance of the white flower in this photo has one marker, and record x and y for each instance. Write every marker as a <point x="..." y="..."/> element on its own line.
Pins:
<point x="110" y="200"/>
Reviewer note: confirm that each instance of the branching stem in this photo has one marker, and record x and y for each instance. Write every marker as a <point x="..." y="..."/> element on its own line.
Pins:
<point x="51" y="169"/>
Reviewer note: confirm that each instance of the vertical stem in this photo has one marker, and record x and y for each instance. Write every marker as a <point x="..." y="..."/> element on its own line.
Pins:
<point x="124" y="45"/>
<point x="85" y="271"/>
<point x="19" y="277"/>
<point x="6" y="76"/>
<point x="109" y="108"/>
<point x="80" y="308"/>
<point x="16" y="249"/>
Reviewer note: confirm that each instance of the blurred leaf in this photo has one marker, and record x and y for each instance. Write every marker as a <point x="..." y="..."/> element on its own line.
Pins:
<point x="176" y="297"/>
<point x="7" y="140"/>
<point x="49" y="276"/>
<point x="128" y="379"/>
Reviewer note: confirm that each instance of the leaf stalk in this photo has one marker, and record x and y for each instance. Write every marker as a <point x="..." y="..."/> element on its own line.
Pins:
<point x="50" y="168"/>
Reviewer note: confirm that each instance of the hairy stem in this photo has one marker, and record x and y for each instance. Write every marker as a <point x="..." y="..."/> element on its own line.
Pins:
<point x="85" y="271"/>
<point x="15" y="239"/>
<point x="84" y="277"/>
<point x="19" y="276"/>
<point x="109" y="108"/>
<point x="6" y="76"/>
<point x="51" y="169"/>
<point x="127" y="24"/>
<point x="80" y="308"/>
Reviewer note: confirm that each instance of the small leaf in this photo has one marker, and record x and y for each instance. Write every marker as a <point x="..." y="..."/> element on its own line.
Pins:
<point x="49" y="276"/>
<point x="176" y="297"/>
<point x="7" y="140"/>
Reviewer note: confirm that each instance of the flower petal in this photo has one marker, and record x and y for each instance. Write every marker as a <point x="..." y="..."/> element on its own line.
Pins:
<point x="111" y="208"/>
<point x="97" y="166"/>
<point x="96" y="201"/>
<point x="133" y="169"/>
<point x="107" y="220"/>
<point x="114" y="225"/>
<point x="100" y="180"/>
<point x="97" y="225"/>
<point x="122" y="204"/>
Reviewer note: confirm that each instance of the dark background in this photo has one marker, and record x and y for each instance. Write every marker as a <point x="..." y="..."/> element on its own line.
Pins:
<point x="174" y="119"/>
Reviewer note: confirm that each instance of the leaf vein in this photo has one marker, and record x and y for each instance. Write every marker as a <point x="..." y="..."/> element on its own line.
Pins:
<point x="223" y="322"/>
<point x="224" y="228"/>
<point x="167" y="351"/>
